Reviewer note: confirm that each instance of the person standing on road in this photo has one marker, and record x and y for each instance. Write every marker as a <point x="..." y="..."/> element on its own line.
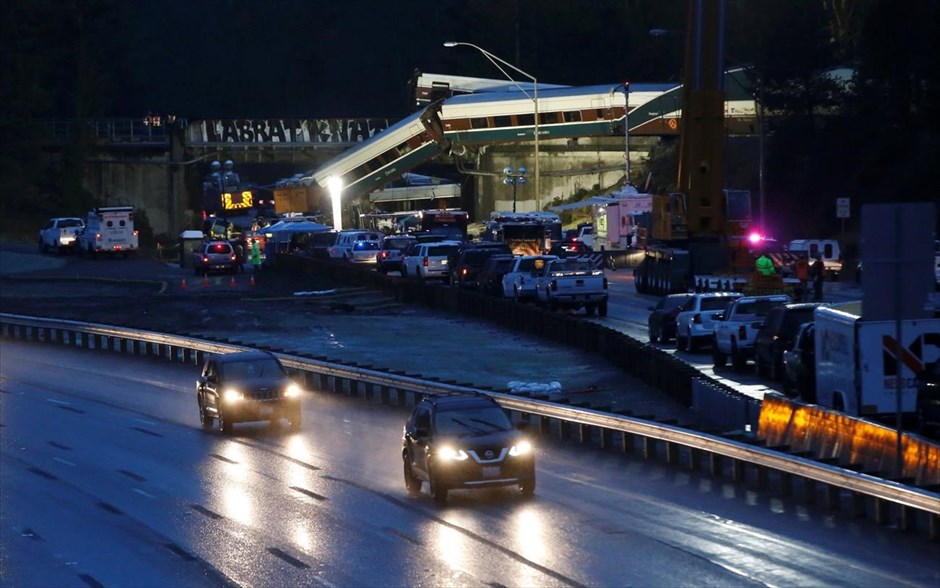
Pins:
<point x="765" y="265"/>
<point x="255" y="256"/>
<point x="818" y="272"/>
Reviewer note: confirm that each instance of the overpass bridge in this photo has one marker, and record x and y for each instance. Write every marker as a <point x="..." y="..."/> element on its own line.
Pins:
<point x="158" y="164"/>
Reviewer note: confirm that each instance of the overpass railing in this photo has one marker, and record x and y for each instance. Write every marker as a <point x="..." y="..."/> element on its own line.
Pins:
<point x="865" y="494"/>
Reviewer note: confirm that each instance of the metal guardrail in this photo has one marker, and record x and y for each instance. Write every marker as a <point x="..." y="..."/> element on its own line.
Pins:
<point x="552" y="418"/>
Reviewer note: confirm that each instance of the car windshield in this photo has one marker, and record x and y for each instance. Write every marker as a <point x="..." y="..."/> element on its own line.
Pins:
<point x="471" y="421"/>
<point x="396" y="243"/>
<point x="70" y="223"/>
<point x="252" y="368"/>
<point x="220" y="248"/>
<point x="716" y="303"/>
<point x="757" y="308"/>
<point x="442" y="251"/>
<point x="366" y="245"/>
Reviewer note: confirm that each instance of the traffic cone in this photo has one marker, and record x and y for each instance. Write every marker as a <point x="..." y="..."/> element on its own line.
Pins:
<point x="251" y="281"/>
<point x="232" y="283"/>
<point x="183" y="285"/>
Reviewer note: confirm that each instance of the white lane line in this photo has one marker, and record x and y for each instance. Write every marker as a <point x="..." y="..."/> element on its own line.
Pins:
<point x="65" y="461"/>
<point x="143" y="493"/>
<point x="60" y="402"/>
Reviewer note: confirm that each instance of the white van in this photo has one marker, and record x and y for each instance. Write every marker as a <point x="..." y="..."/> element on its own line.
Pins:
<point x="109" y="229"/>
<point x="827" y="248"/>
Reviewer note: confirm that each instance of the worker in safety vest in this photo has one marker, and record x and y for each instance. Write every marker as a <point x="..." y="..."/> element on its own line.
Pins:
<point x="801" y="269"/>
<point x="765" y="265"/>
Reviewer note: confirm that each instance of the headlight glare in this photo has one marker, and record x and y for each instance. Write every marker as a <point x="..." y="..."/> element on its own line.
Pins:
<point x="449" y="453"/>
<point x="520" y="448"/>
<point x="292" y="391"/>
<point x="232" y="395"/>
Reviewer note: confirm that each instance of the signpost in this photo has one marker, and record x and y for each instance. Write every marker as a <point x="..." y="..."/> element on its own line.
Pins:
<point x="843" y="212"/>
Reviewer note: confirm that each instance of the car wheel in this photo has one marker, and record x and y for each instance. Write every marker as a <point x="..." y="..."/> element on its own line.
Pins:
<point x="527" y="486"/>
<point x="225" y="425"/>
<point x="759" y="367"/>
<point x="590" y="309"/>
<point x="654" y="337"/>
<point x="718" y="358"/>
<point x="680" y="342"/>
<point x="602" y="308"/>
<point x="691" y="344"/>
<point x="737" y="359"/>
<point x="412" y="482"/>
<point x="438" y="489"/>
<point x="204" y="417"/>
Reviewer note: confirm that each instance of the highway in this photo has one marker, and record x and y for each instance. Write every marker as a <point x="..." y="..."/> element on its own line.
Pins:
<point x="108" y="480"/>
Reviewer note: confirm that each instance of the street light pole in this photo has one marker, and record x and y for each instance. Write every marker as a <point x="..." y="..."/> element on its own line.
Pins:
<point x="496" y="61"/>
<point x="514" y="178"/>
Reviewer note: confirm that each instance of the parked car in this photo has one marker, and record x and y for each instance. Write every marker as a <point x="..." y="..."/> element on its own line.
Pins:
<point x="60" y="233"/>
<point x="695" y="323"/>
<point x="928" y="398"/>
<point x="521" y="280"/>
<point x="777" y="334"/>
<point x="661" y="323"/>
<point x="390" y="254"/>
<point x="735" y="333"/>
<point x="570" y="248"/>
<point x="454" y="442"/>
<point x="493" y="272"/>
<point x="320" y="243"/>
<point x="246" y="386"/>
<point x="348" y="246"/>
<point x="799" y="364"/>
<point x="215" y="256"/>
<point x="470" y="259"/>
<point x="430" y="261"/>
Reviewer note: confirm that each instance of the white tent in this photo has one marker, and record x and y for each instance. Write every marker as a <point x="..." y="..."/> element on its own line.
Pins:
<point x="279" y="234"/>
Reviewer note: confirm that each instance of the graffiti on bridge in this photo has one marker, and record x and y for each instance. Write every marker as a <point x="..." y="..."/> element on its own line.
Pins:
<point x="276" y="130"/>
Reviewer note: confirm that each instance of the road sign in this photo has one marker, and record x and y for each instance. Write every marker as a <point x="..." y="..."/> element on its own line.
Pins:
<point x="842" y="208"/>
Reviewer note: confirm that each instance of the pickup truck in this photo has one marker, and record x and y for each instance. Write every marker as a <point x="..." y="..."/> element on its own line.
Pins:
<point x="736" y="329"/>
<point x="520" y="281"/>
<point x="60" y="234"/>
<point x="573" y="283"/>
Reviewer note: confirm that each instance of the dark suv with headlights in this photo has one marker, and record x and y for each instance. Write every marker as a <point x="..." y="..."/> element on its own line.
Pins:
<point x="460" y="442"/>
<point x="246" y="386"/>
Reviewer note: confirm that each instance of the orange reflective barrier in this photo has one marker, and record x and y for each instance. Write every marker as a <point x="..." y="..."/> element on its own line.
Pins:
<point x="825" y="434"/>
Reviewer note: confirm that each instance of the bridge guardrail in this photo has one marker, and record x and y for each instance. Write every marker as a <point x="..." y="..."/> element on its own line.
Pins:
<point x="585" y="425"/>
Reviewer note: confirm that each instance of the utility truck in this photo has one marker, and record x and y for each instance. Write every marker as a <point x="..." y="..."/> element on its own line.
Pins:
<point x="859" y="363"/>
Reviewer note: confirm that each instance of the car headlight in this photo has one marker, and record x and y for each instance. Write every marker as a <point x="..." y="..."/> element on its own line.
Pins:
<point x="449" y="453"/>
<point x="232" y="395"/>
<point x="292" y="391"/>
<point x="520" y="448"/>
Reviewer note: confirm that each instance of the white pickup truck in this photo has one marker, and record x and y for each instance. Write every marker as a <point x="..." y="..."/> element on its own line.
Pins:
<point x="60" y="233"/>
<point x="573" y="283"/>
<point x="735" y="331"/>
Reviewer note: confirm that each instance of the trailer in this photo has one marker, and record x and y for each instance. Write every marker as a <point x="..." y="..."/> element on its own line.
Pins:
<point x="860" y="364"/>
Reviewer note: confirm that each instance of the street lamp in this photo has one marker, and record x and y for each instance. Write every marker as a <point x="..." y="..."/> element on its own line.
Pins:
<point x="335" y="186"/>
<point x="534" y="97"/>
<point x="514" y="178"/>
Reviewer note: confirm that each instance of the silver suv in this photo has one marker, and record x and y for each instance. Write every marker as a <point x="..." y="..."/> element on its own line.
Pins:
<point x="430" y="261"/>
<point x="695" y="323"/>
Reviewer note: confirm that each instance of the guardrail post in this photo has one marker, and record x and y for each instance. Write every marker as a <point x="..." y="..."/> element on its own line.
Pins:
<point x="737" y="470"/>
<point x="584" y="433"/>
<point x="786" y="484"/>
<point x="607" y="438"/>
<point x="882" y="509"/>
<point x="858" y="505"/>
<point x="369" y="391"/>
<point x="564" y="430"/>
<point x="353" y="388"/>
<point x="907" y="518"/>
<point x="324" y="382"/>
<point x="545" y="426"/>
<point x="761" y="477"/>
<point x="402" y="397"/>
<point x="649" y="447"/>
<point x="933" y="527"/>
<point x="831" y="494"/>
<point x="695" y="455"/>
<point x="384" y="394"/>
<point x="627" y="442"/>
<point x="714" y="464"/>
<point x="73" y="338"/>
<point x="809" y="491"/>
<point x="672" y="452"/>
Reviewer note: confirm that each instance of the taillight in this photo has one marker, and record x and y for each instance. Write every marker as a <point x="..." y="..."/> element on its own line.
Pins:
<point x="97" y="236"/>
<point x="463" y="272"/>
<point x="424" y="262"/>
<point x="136" y="234"/>
<point x="205" y="259"/>
<point x="554" y="285"/>
<point x="383" y="254"/>
<point x="232" y="257"/>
